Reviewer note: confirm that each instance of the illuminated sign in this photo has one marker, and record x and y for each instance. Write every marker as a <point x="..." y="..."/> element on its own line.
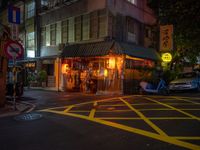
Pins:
<point x="111" y="63"/>
<point x="166" y="38"/>
<point x="166" y="57"/>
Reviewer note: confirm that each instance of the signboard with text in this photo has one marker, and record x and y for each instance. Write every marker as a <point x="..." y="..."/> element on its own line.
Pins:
<point x="166" y="38"/>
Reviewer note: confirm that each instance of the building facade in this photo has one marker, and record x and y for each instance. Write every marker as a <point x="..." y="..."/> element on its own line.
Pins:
<point x="89" y="45"/>
<point x="101" y="43"/>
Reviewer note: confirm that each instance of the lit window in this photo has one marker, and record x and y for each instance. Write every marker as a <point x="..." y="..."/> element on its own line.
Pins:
<point x="44" y="3"/>
<point x="53" y="34"/>
<point x="30" y="53"/>
<point x="133" y="1"/>
<point x="31" y="40"/>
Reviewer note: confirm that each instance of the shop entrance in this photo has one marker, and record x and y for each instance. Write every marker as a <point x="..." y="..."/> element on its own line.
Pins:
<point x="92" y="75"/>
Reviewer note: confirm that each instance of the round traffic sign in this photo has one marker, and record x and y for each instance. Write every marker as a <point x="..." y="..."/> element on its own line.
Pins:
<point x="13" y="49"/>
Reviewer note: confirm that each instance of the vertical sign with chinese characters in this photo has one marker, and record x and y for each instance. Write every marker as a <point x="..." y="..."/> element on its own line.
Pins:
<point x="166" y="38"/>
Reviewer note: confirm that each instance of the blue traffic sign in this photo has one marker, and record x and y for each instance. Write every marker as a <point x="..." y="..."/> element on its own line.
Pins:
<point x="13" y="14"/>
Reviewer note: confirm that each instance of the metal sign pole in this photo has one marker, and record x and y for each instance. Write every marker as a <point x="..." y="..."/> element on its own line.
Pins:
<point x="14" y="82"/>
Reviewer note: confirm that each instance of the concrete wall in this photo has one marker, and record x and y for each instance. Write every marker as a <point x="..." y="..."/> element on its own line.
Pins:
<point x="95" y="5"/>
<point x="140" y="12"/>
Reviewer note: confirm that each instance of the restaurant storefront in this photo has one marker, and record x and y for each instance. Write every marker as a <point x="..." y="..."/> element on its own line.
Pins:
<point x="104" y="67"/>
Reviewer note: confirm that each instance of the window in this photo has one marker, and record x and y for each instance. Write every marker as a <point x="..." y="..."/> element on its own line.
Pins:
<point x="31" y="40"/>
<point x="102" y="23"/>
<point x="44" y="3"/>
<point x="31" y="44"/>
<point x="86" y="27"/>
<point x="133" y="2"/>
<point x="43" y="36"/>
<point x="71" y="30"/>
<point x="131" y="30"/>
<point x="94" y="25"/>
<point x="53" y="34"/>
<point x="78" y="22"/>
<point x="30" y="10"/>
<point x="64" y="31"/>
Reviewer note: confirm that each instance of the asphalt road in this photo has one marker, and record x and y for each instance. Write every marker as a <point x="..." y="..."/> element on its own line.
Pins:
<point x="73" y="121"/>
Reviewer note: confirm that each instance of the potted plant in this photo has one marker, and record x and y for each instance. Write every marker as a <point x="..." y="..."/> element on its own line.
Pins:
<point x="42" y="77"/>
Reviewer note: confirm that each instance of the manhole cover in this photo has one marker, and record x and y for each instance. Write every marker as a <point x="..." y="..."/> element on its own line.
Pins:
<point x="28" y="117"/>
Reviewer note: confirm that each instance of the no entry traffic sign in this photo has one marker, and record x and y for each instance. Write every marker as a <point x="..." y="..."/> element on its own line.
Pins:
<point x="13" y="49"/>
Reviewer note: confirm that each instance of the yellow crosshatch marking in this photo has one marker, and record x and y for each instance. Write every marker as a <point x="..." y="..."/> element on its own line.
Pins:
<point x="92" y="112"/>
<point x="145" y="119"/>
<point x="182" y="99"/>
<point x="183" y="112"/>
<point x="103" y="106"/>
<point x="68" y="108"/>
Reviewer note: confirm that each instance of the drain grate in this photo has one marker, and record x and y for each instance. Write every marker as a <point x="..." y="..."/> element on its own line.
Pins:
<point x="28" y="117"/>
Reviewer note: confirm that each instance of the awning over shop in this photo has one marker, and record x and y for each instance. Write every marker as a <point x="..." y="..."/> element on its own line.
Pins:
<point x="107" y="47"/>
<point x="87" y="50"/>
<point x="138" y="51"/>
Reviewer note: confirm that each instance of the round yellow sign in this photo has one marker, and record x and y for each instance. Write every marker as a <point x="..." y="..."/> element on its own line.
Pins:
<point x="166" y="57"/>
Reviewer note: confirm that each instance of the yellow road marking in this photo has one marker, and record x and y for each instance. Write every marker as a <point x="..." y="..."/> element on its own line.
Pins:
<point x="190" y="109"/>
<point x="150" y="118"/>
<point x="172" y="97"/>
<point x="92" y="112"/>
<point x="166" y="139"/>
<point x="154" y="109"/>
<point x="68" y="109"/>
<point x="151" y="124"/>
<point x="120" y="118"/>
<point x="179" y="110"/>
<point x="148" y="104"/>
<point x="112" y="105"/>
<point x="101" y="100"/>
<point x="186" y="138"/>
<point x="187" y="100"/>
<point x="170" y="118"/>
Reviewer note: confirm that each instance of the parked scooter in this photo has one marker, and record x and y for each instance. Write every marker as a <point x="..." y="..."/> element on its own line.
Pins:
<point x="160" y="88"/>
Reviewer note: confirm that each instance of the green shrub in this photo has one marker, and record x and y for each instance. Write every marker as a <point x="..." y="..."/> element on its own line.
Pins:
<point x="42" y="76"/>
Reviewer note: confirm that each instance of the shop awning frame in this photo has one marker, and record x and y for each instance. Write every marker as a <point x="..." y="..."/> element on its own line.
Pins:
<point x="109" y="47"/>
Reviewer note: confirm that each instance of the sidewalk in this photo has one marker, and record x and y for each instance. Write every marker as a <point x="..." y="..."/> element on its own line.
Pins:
<point x="42" y="88"/>
<point x="21" y="107"/>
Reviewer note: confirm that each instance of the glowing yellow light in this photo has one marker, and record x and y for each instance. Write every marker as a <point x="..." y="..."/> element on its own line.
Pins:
<point x="65" y="68"/>
<point x="105" y="72"/>
<point x="111" y="63"/>
<point x="166" y="57"/>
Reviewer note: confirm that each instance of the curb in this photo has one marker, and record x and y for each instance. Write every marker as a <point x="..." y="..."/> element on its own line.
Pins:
<point x="27" y="110"/>
<point x="29" y="107"/>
